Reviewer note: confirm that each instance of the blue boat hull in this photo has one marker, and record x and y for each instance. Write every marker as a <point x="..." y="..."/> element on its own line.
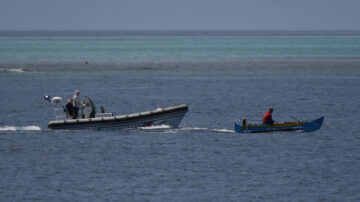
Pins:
<point x="291" y="126"/>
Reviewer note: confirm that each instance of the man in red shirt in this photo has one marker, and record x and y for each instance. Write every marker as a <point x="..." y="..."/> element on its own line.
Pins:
<point x="267" y="119"/>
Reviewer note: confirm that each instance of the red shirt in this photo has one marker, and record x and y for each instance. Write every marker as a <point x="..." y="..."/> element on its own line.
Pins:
<point x="267" y="119"/>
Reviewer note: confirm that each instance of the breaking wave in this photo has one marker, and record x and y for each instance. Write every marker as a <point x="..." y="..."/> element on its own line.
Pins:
<point x="20" y="128"/>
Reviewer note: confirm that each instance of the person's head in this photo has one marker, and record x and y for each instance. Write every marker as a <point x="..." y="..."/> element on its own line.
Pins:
<point x="77" y="92"/>
<point x="271" y="110"/>
<point x="70" y="100"/>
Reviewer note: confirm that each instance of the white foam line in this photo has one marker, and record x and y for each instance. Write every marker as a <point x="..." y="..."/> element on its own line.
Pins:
<point x="17" y="70"/>
<point x="194" y="129"/>
<point x="155" y="127"/>
<point x="186" y="129"/>
<point x="207" y="129"/>
<point x="21" y="70"/>
<point x="223" y="130"/>
<point x="20" y="128"/>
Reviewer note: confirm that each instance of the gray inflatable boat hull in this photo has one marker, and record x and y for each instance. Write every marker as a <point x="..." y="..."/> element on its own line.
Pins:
<point x="171" y="116"/>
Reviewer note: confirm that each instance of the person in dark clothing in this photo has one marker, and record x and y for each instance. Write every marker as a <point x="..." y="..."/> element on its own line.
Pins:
<point x="69" y="107"/>
<point x="267" y="119"/>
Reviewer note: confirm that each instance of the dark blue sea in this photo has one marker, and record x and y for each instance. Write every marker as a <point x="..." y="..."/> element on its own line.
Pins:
<point x="221" y="75"/>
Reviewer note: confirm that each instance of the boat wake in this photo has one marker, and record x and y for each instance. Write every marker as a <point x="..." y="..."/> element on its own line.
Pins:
<point x="155" y="127"/>
<point x="160" y="128"/>
<point x="19" y="128"/>
<point x="17" y="70"/>
<point x="208" y="129"/>
<point x="168" y="129"/>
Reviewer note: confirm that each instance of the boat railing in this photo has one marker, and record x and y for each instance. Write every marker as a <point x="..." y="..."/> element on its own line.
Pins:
<point x="59" y="108"/>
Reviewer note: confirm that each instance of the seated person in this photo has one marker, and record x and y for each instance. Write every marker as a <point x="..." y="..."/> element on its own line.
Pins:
<point x="267" y="119"/>
<point x="70" y="108"/>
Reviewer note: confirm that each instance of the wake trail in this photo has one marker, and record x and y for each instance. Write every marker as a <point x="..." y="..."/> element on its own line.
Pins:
<point x="19" y="128"/>
<point x="166" y="128"/>
<point x="208" y="129"/>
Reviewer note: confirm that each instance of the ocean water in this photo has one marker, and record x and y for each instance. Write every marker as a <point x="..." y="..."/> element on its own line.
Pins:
<point x="221" y="76"/>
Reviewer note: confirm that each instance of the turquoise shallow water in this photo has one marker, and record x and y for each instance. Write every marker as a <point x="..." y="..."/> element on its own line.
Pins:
<point x="120" y="47"/>
<point x="222" y="76"/>
<point x="170" y="48"/>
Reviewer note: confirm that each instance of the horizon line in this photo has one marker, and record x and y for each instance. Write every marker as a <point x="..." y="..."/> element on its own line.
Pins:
<point x="180" y="30"/>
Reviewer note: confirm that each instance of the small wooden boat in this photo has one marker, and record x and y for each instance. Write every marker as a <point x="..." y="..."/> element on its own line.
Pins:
<point x="306" y="126"/>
